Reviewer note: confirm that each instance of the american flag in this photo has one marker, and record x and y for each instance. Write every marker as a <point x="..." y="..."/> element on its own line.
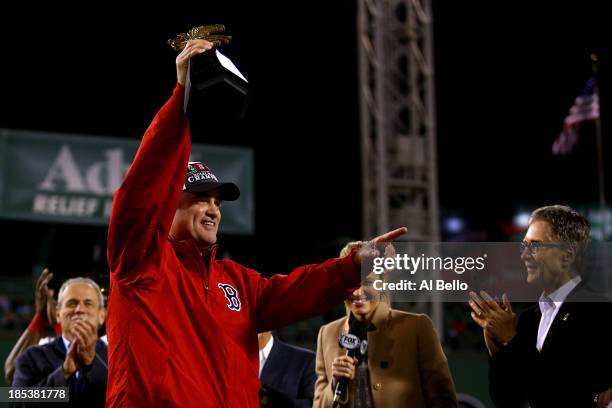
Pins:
<point x="585" y="107"/>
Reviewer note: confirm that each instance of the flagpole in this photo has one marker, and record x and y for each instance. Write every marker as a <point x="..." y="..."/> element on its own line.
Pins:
<point x="600" y="166"/>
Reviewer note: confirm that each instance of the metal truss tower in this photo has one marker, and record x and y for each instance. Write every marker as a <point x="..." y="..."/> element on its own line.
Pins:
<point x="398" y="129"/>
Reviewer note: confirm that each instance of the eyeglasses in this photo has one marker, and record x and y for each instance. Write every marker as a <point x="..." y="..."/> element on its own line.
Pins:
<point x="534" y="247"/>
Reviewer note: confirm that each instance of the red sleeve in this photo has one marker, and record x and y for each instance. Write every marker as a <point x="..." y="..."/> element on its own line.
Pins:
<point x="306" y="292"/>
<point x="144" y="205"/>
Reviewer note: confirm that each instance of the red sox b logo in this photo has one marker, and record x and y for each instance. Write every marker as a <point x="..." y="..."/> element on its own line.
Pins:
<point x="231" y="295"/>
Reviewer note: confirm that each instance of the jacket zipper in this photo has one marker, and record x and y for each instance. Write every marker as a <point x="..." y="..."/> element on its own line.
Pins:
<point x="207" y="260"/>
<point x="206" y="277"/>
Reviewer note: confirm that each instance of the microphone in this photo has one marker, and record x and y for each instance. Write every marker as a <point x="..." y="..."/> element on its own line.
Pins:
<point x="356" y="344"/>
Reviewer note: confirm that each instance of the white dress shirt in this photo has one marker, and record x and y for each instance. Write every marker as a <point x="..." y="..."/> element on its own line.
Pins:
<point x="264" y="353"/>
<point x="67" y="343"/>
<point x="550" y="305"/>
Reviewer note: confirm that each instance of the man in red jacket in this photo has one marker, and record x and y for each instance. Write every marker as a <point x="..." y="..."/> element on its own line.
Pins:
<point x="182" y="325"/>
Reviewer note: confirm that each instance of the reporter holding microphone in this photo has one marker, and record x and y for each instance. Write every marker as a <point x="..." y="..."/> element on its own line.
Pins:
<point x="401" y="364"/>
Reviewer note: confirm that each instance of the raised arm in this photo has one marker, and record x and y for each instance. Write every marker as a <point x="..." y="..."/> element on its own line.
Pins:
<point x="145" y="204"/>
<point x="44" y="314"/>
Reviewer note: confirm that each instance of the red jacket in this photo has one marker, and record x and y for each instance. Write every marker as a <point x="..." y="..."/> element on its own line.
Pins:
<point x="182" y="327"/>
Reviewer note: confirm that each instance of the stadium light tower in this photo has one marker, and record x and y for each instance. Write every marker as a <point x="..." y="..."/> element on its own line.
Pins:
<point x="398" y="128"/>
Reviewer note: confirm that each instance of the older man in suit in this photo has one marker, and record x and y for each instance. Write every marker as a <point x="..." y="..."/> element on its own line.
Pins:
<point x="77" y="359"/>
<point x="404" y="367"/>
<point x="558" y="353"/>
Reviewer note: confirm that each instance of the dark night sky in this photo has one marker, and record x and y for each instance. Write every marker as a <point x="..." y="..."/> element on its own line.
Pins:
<point x="506" y="75"/>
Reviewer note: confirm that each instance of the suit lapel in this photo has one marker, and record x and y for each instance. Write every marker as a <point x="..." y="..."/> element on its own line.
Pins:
<point x="563" y="320"/>
<point x="59" y="347"/>
<point x="102" y="350"/>
<point x="275" y="358"/>
<point x="534" y="323"/>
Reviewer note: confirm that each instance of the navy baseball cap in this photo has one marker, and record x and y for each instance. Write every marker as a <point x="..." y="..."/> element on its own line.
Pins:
<point x="200" y="179"/>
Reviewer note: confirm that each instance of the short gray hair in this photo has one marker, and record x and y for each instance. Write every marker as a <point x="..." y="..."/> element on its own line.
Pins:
<point x="86" y="281"/>
<point x="568" y="226"/>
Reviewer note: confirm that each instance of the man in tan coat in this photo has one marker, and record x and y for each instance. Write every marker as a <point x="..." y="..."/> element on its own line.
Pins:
<point x="405" y="364"/>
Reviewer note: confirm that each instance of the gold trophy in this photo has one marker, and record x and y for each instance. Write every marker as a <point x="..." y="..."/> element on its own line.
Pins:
<point x="209" y="33"/>
<point x="214" y="86"/>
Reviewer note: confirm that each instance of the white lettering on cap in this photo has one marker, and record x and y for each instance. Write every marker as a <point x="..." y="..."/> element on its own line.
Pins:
<point x="206" y="175"/>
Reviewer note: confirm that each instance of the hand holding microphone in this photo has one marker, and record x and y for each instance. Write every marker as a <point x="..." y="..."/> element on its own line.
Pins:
<point x="343" y="368"/>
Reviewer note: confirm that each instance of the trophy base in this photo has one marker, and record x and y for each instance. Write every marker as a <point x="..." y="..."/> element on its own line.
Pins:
<point x="213" y="91"/>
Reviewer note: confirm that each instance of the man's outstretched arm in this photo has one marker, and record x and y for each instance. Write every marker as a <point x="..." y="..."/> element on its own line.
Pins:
<point x="313" y="289"/>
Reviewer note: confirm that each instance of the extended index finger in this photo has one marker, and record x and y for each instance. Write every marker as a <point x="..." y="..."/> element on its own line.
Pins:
<point x="391" y="235"/>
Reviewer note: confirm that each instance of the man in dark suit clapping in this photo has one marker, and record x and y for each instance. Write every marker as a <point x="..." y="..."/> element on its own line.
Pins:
<point x="557" y="353"/>
<point x="77" y="359"/>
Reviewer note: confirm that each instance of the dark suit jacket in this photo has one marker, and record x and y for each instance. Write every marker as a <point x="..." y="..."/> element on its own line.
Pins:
<point x="573" y="366"/>
<point x="42" y="366"/>
<point x="288" y="376"/>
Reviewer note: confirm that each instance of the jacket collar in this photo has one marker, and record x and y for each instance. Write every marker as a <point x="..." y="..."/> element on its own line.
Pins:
<point x="58" y="345"/>
<point x="379" y="320"/>
<point x="381" y="316"/>
<point x="276" y="358"/>
<point x="188" y="248"/>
